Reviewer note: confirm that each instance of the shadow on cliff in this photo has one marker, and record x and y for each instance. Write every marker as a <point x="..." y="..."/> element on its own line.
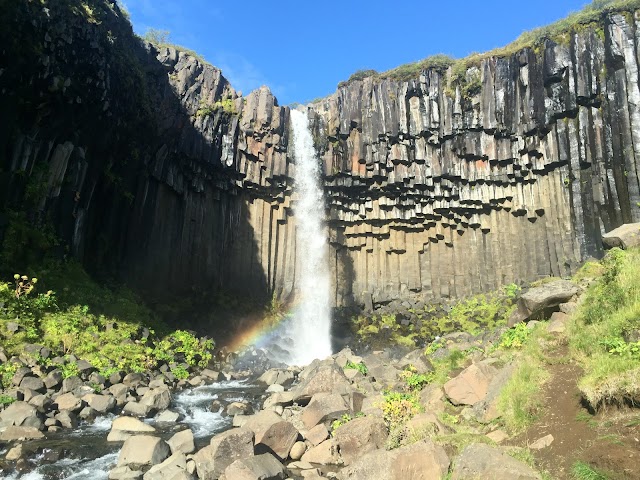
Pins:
<point x="100" y="147"/>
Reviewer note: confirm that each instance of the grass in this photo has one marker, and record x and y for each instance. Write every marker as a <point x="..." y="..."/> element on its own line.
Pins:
<point x="600" y="328"/>
<point x="584" y="471"/>
<point x="520" y="400"/>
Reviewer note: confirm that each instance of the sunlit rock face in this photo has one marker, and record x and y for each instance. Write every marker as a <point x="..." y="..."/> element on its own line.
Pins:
<point x="153" y="167"/>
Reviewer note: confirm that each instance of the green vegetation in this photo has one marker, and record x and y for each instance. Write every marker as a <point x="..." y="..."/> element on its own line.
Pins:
<point x="161" y="38"/>
<point x="515" y="337"/>
<point x="6" y="400"/>
<point x="470" y="82"/>
<point x="398" y="407"/>
<point x="473" y="315"/>
<point x="226" y="105"/>
<point x="361" y="367"/>
<point x="91" y="322"/>
<point x="583" y="471"/>
<point x="603" y="334"/>
<point x="520" y="400"/>
<point x="346" y="418"/>
<point x="415" y="381"/>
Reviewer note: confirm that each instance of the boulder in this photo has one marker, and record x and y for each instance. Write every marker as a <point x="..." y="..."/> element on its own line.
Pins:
<point x="124" y="427"/>
<point x="327" y="378"/>
<point x="67" y="419"/>
<point x="124" y="473"/>
<point x="168" y="416"/>
<point x="136" y="409"/>
<point x="20" y="414"/>
<point x="141" y="451"/>
<point x="224" y="449"/>
<point x="625" y="237"/>
<point x="173" y="468"/>
<point x="298" y="450"/>
<point x="260" y="467"/>
<point x="536" y="299"/>
<point x="541" y="443"/>
<point x="100" y="403"/>
<point x="211" y="375"/>
<point x="277" y="376"/>
<point x="13" y="433"/>
<point x="33" y="383"/>
<point x="68" y="401"/>
<point x="238" y="408"/>
<point x="324" y="408"/>
<point x="417" y="361"/>
<point x="359" y="436"/>
<point x="483" y="461"/>
<point x="486" y="410"/>
<point x="157" y="398"/>
<point x="471" y="385"/>
<point x="69" y="384"/>
<point x="53" y="379"/>
<point x="182" y="442"/>
<point x="323" y="454"/>
<point x="317" y="434"/>
<point x="558" y="322"/>
<point x="279" y="399"/>
<point x="272" y="433"/>
<point x="423" y="460"/>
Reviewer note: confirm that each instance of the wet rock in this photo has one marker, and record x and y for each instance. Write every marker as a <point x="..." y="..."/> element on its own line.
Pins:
<point x="182" y="442"/>
<point x="15" y="453"/>
<point x="211" y="375"/>
<point x="260" y="467"/>
<point x="143" y="451"/>
<point x="67" y="419"/>
<point x="124" y="473"/>
<point x="123" y="427"/>
<point x="421" y="461"/>
<point x="157" y="399"/>
<point x="625" y="237"/>
<point x="224" y="449"/>
<point x="167" y="416"/>
<point x="13" y="433"/>
<point x="136" y="409"/>
<point x="359" y="436"/>
<point x="483" y="461"/>
<point x="238" y="408"/>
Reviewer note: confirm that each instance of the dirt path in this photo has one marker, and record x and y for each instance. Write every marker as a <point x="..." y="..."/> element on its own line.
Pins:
<point x="609" y="441"/>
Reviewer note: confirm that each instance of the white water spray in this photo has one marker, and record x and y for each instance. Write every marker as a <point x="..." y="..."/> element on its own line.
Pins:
<point x="311" y="328"/>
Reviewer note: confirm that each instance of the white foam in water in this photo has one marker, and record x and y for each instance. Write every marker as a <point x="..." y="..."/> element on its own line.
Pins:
<point x="194" y="405"/>
<point x="311" y="327"/>
<point x="74" y="469"/>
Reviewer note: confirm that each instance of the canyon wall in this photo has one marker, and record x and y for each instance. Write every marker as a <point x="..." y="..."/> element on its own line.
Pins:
<point x="154" y="169"/>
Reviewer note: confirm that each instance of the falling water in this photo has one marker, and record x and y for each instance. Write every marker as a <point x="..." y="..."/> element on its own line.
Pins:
<point x="311" y="327"/>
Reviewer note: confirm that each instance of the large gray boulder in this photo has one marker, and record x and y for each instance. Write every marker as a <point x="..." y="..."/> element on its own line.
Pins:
<point x="20" y="414"/>
<point x="224" y="449"/>
<point x="100" y="403"/>
<point x="359" y="436"/>
<point x="13" y="433"/>
<point x="625" y="236"/>
<point x="272" y="433"/>
<point x="260" y="467"/>
<point x="124" y="427"/>
<point x="327" y="378"/>
<point x="421" y="461"/>
<point x="157" y="399"/>
<point x="182" y="442"/>
<point x="324" y="408"/>
<point x="173" y="468"/>
<point x="483" y="461"/>
<point x="536" y="299"/>
<point x="141" y="451"/>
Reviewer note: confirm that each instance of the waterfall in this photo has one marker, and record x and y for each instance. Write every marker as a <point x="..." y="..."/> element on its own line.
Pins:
<point x="311" y="323"/>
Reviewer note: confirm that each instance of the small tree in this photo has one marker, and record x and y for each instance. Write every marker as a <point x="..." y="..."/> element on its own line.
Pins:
<point x="157" y="37"/>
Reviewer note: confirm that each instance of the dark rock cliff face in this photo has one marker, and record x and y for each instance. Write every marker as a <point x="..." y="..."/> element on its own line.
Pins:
<point x="441" y="190"/>
<point x="151" y="166"/>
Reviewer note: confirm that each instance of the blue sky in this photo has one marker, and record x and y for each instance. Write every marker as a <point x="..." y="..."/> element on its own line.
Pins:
<point x="302" y="49"/>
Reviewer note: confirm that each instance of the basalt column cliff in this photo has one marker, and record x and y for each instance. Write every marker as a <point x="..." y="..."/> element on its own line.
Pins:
<point x="150" y="164"/>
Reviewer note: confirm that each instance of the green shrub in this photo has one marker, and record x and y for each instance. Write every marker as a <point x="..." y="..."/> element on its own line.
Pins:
<point x="398" y="407"/>
<point x="515" y="337"/>
<point x="6" y="400"/>
<point x="361" y="367"/>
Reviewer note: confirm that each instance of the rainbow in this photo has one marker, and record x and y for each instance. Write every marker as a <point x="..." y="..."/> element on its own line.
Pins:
<point x="259" y="331"/>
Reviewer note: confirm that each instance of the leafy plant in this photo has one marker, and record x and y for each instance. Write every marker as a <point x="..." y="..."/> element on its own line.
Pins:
<point x="361" y="367"/>
<point x="398" y="407"/>
<point x="7" y="371"/>
<point x="69" y="369"/>
<point x="344" y="419"/>
<point x="180" y="372"/>
<point x="416" y="381"/>
<point x="6" y="400"/>
<point x="515" y="337"/>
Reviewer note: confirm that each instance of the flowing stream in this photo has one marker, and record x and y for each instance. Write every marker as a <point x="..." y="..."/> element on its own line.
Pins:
<point x="86" y="454"/>
<point x="311" y="323"/>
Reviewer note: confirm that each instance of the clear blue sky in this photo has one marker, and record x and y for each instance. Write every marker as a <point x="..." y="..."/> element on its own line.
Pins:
<point x="302" y="49"/>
